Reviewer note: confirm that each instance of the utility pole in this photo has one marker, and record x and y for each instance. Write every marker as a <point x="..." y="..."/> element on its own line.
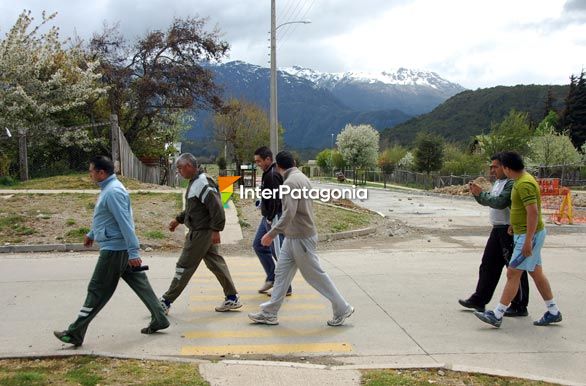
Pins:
<point x="273" y="119"/>
<point x="23" y="153"/>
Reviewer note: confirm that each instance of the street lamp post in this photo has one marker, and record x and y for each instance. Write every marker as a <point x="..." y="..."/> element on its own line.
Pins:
<point x="273" y="116"/>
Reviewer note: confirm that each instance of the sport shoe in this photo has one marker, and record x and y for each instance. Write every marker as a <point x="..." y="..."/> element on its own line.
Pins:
<point x="64" y="337"/>
<point x="339" y="320"/>
<point x="470" y="304"/>
<point x="151" y="329"/>
<point x="265" y="287"/>
<point x="229" y="304"/>
<point x="548" y="318"/>
<point x="263" y="318"/>
<point x="489" y="317"/>
<point x="165" y="304"/>
<point x="289" y="293"/>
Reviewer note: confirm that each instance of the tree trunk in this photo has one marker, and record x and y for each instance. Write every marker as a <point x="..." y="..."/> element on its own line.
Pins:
<point x="23" y="154"/>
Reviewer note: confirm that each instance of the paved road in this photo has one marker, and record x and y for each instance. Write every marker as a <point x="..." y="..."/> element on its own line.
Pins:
<point x="405" y="297"/>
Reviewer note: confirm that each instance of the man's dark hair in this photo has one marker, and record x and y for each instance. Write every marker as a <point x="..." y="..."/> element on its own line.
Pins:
<point x="496" y="157"/>
<point x="285" y="160"/>
<point x="512" y="160"/>
<point x="101" y="162"/>
<point x="264" y="152"/>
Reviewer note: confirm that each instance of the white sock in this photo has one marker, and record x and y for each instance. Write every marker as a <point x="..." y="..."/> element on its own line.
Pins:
<point x="552" y="307"/>
<point x="500" y="310"/>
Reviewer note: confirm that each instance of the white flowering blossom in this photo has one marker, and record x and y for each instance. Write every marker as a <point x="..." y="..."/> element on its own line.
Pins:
<point x="359" y="145"/>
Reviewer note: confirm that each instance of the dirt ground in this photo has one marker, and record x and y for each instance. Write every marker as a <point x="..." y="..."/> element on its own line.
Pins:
<point x="65" y="218"/>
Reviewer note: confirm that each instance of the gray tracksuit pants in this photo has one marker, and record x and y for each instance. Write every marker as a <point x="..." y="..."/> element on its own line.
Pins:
<point x="300" y="253"/>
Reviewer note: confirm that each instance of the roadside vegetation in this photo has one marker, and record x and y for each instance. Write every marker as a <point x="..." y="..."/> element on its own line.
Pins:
<point x="92" y="371"/>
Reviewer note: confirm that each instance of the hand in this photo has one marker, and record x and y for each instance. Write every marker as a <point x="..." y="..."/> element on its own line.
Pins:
<point x="173" y="225"/>
<point x="266" y="240"/>
<point x="87" y="242"/>
<point x="475" y="189"/>
<point x="527" y="248"/>
<point x="215" y="237"/>
<point x="510" y="230"/>
<point x="135" y="262"/>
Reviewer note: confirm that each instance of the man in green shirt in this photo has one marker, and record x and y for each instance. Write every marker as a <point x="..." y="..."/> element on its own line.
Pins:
<point x="529" y="235"/>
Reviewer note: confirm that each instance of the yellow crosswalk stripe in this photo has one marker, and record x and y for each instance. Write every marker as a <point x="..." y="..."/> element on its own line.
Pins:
<point x="257" y="332"/>
<point x="253" y="307"/>
<point x="242" y="318"/>
<point x="268" y="349"/>
<point x="255" y="297"/>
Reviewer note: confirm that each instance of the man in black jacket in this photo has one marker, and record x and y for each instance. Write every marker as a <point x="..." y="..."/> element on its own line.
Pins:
<point x="271" y="210"/>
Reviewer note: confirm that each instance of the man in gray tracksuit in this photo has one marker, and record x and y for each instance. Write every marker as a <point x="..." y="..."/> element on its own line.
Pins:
<point x="298" y="250"/>
<point x="205" y="218"/>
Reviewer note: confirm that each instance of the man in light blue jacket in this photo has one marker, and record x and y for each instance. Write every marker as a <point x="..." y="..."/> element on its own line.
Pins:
<point x="113" y="229"/>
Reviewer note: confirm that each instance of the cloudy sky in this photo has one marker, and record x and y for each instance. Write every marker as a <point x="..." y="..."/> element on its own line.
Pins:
<point x="477" y="43"/>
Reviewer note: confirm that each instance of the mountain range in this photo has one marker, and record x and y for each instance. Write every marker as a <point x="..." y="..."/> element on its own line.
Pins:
<point x="313" y="105"/>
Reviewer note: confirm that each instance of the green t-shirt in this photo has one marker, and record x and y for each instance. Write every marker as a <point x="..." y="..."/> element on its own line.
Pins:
<point x="525" y="192"/>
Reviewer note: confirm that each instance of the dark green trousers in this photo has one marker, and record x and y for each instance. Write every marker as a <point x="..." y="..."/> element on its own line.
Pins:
<point x="198" y="246"/>
<point x="111" y="266"/>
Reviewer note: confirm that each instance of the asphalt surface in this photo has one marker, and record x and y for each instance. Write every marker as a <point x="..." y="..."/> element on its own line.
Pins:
<point x="405" y="294"/>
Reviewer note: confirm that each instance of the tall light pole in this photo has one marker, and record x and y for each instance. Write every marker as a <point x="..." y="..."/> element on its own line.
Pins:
<point x="273" y="116"/>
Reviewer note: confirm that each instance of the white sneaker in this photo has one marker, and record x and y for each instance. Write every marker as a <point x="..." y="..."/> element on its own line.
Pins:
<point x="265" y="287"/>
<point x="165" y="305"/>
<point x="228" y="305"/>
<point x="339" y="320"/>
<point x="263" y="318"/>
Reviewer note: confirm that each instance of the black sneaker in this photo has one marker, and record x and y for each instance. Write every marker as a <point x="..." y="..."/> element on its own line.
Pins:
<point x="514" y="312"/>
<point x="467" y="303"/>
<point x="64" y="337"/>
<point x="151" y="329"/>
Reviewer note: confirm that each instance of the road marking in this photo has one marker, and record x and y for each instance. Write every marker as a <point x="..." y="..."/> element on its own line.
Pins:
<point x="254" y="307"/>
<point x="255" y="297"/>
<point x="293" y="348"/>
<point x="224" y="318"/>
<point x="257" y="332"/>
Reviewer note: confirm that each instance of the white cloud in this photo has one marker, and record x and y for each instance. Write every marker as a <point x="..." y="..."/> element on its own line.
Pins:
<point x="472" y="42"/>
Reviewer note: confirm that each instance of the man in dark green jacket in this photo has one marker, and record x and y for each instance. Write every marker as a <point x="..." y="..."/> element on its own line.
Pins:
<point x="499" y="246"/>
<point x="205" y="218"/>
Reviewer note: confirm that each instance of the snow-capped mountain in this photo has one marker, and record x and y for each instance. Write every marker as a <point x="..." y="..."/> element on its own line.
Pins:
<point x="313" y="105"/>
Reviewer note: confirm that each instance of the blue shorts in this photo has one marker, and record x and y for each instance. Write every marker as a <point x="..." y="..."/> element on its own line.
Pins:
<point x="518" y="261"/>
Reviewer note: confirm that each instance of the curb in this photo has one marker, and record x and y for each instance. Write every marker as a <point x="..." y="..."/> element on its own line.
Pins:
<point x="347" y="234"/>
<point x="76" y="247"/>
<point x="379" y="366"/>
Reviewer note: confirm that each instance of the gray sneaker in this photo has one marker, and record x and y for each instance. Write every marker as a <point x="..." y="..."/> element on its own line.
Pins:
<point x="228" y="305"/>
<point x="265" y="287"/>
<point x="165" y="304"/>
<point x="339" y="320"/>
<point x="263" y="318"/>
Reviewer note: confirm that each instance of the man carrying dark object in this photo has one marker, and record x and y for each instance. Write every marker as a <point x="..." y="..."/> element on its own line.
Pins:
<point x="205" y="218"/>
<point x="113" y="229"/>
<point x="271" y="211"/>
<point x="499" y="246"/>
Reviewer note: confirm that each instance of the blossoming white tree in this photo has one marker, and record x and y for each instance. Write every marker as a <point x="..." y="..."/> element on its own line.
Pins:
<point x="39" y="79"/>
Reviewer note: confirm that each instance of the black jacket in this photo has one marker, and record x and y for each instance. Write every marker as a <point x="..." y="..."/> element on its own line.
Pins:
<point x="271" y="179"/>
<point x="203" y="205"/>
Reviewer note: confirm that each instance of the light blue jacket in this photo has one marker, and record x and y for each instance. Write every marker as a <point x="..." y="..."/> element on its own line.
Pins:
<point x="113" y="226"/>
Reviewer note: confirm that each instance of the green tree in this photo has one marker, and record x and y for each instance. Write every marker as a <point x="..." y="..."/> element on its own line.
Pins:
<point x="390" y="157"/>
<point x="358" y="145"/>
<point x="242" y="127"/>
<point x="429" y="152"/>
<point x="338" y="161"/>
<point x="324" y="160"/>
<point x="458" y="161"/>
<point x="574" y="114"/>
<point x="511" y="134"/>
<point x="551" y="148"/>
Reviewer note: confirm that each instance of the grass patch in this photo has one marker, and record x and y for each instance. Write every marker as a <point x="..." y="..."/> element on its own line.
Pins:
<point x="423" y="377"/>
<point x="73" y="181"/>
<point x="157" y="235"/>
<point x="76" y="235"/>
<point x="333" y="220"/>
<point x="70" y="222"/>
<point x="91" y="371"/>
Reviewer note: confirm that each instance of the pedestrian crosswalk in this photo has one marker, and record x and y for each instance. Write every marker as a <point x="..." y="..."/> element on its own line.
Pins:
<point x="302" y="319"/>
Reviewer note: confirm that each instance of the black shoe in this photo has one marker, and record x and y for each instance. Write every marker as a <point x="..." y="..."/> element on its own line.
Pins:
<point x="469" y="304"/>
<point x="514" y="312"/>
<point x="64" y="337"/>
<point x="151" y="329"/>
